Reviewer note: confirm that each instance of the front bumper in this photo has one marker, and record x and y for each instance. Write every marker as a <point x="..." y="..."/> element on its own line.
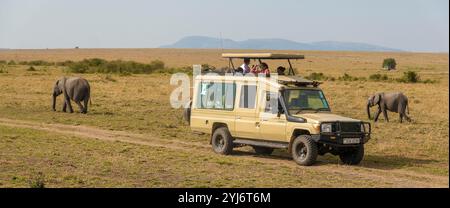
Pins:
<point x="336" y="138"/>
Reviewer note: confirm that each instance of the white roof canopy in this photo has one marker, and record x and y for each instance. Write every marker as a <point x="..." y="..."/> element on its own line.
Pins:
<point x="262" y="55"/>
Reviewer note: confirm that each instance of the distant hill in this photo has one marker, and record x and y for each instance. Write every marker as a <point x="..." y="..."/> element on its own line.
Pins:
<point x="273" y="44"/>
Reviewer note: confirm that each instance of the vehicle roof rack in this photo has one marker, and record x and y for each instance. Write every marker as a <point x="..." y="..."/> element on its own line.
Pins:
<point x="297" y="81"/>
<point x="262" y="56"/>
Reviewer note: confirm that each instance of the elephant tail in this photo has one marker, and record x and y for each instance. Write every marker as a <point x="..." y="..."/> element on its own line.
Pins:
<point x="407" y="108"/>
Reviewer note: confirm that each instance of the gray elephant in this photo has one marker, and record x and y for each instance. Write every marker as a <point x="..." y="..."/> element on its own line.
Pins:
<point x="73" y="88"/>
<point x="394" y="102"/>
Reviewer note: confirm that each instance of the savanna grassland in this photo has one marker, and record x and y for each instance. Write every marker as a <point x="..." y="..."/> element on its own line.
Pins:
<point x="132" y="137"/>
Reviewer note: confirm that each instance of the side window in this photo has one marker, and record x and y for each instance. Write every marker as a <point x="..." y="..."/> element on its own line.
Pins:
<point x="216" y="95"/>
<point x="272" y="105"/>
<point x="230" y="95"/>
<point x="248" y="97"/>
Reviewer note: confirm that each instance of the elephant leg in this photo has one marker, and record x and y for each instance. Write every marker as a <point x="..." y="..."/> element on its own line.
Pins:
<point x="385" y="115"/>
<point x="69" y="105"/>
<point x="376" y="115"/>
<point x="401" y="117"/>
<point x="86" y="105"/>
<point x="80" y="106"/>
<point x="64" y="106"/>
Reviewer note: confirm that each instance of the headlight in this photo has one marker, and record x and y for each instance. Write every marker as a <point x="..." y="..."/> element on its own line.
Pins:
<point x="326" y="128"/>
<point x="362" y="128"/>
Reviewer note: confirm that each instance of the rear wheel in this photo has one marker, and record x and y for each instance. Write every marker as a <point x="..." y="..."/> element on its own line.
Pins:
<point x="352" y="156"/>
<point x="304" y="150"/>
<point x="263" y="150"/>
<point x="221" y="141"/>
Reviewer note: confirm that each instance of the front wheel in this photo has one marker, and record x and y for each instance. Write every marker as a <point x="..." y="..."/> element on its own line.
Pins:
<point x="352" y="156"/>
<point x="221" y="141"/>
<point x="304" y="150"/>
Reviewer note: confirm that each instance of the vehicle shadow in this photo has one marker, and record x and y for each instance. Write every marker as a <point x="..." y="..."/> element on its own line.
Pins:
<point x="382" y="162"/>
<point x="279" y="155"/>
<point x="389" y="162"/>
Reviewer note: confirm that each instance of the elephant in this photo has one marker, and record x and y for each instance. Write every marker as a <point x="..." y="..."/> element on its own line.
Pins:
<point x="73" y="88"/>
<point x="394" y="102"/>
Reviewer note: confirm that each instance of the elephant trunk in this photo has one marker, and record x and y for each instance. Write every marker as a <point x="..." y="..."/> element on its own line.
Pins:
<point x="54" y="102"/>
<point x="368" y="110"/>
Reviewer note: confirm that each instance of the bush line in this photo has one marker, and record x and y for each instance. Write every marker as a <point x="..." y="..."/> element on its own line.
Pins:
<point x="408" y="77"/>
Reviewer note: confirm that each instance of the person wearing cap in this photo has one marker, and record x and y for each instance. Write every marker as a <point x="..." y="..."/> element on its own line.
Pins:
<point x="280" y="70"/>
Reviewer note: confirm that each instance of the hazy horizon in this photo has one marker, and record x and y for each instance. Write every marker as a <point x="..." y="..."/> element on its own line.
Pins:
<point x="414" y="25"/>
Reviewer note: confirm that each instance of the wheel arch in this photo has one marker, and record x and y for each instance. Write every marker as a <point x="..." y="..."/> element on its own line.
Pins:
<point x="295" y="134"/>
<point x="215" y="126"/>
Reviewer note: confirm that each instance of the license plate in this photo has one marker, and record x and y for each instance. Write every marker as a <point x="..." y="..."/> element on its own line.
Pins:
<point x="352" y="140"/>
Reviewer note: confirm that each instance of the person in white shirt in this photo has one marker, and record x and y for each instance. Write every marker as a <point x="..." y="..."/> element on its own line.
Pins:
<point x="245" y="66"/>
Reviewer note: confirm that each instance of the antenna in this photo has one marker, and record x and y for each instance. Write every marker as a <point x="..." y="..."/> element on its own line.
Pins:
<point x="221" y="41"/>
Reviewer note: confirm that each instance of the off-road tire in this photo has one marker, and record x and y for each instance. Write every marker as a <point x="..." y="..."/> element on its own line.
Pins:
<point x="222" y="141"/>
<point x="304" y="150"/>
<point x="352" y="156"/>
<point x="263" y="150"/>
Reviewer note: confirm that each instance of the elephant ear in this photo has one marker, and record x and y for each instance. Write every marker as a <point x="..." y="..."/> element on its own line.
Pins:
<point x="377" y="98"/>
<point x="64" y="86"/>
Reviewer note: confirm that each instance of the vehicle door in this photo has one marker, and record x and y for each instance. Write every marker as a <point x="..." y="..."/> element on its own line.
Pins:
<point x="272" y="118"/>
<point x="246" y="121"/>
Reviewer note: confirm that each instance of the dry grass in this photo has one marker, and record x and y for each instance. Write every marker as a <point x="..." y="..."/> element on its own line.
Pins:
<point x="140" y="104"/>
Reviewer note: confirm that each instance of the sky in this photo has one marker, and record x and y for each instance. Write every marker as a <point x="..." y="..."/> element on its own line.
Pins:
<point x="411" y="25"/>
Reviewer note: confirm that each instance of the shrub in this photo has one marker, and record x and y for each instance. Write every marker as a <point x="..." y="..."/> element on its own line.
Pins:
<point x="410" y="77"/>
<point x="31" y="68"/>
<point x="11" y="62"/>
<point x="117" y="66"/>
<point x="429" y="81"/>
<point x="37" y="63"/>
<point x="347" y="77"/>
<point x="78" y="67"/>
<point x="317" y="76"/>
<point x="123" y="74"/>
<point x="64" y="63"/>
<point x="389" y="63"/>
<point x="94" y="61"/>
<point x="40" y="63"/>
<point x="157" y="64"/>
<point x="37" y="181"/>
<point x="378" y="77"/>
<point x="208" y="68"/>
<point x="3" y="69"/>
<point x="3" y="62"/>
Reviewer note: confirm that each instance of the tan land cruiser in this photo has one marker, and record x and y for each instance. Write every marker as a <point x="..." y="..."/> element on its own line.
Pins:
<point x="287" y="112"/>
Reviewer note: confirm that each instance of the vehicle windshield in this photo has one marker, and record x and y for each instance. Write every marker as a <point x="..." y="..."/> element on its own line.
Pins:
<point x="298" y="100"/>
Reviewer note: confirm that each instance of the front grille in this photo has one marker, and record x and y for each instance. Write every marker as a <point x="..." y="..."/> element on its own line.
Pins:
<point x="350" y="127"/>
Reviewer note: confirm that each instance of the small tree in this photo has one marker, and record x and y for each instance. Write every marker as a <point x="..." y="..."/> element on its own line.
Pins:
<point x="389" y="63"/>
<point x="410" y="77"/>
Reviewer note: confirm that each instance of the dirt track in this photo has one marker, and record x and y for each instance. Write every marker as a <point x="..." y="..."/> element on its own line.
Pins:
<point x="396" y="178"/>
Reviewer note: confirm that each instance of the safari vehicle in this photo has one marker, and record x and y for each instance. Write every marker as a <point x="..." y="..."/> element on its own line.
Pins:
<point x="289" y="112"/>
